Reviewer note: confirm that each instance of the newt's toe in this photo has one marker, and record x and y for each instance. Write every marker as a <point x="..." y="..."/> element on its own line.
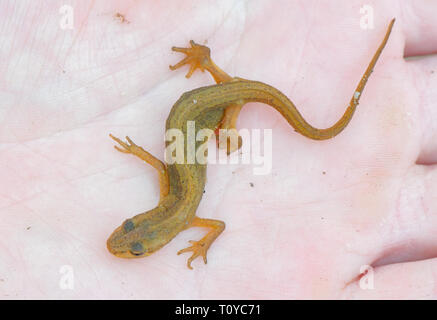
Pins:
<point x="198" y="248"/>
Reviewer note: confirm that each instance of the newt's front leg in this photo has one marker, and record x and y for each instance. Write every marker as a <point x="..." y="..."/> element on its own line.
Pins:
<point x="131" y="147"/>
<point x="199" y="57"/>
<point x="201" y="247"/>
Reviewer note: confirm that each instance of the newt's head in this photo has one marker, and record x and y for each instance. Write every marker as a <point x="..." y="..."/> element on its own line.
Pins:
<point x="135" y="239"/>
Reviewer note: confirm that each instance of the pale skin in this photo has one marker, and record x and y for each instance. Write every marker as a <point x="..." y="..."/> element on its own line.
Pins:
<point x="327" y="209"/>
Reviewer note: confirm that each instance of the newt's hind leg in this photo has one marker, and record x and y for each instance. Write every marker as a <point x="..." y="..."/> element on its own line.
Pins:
<point x="199" y="57"/>
<point x="230" y="140"/>
<point x="201" y="247"/>
<point x="131" y="147"/>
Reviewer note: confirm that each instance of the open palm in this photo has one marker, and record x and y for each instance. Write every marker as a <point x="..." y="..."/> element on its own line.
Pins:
<point x="307" y="229"/>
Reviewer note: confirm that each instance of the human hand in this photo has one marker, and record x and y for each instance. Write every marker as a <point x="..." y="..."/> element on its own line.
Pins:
<point x="326" y="210"/>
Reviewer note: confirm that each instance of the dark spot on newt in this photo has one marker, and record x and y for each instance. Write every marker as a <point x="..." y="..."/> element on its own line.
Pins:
<point x="137" y="248"/>
<point x="251" y="184"/>
<point x="324" y="172"/>
<point x="128" y="225"/>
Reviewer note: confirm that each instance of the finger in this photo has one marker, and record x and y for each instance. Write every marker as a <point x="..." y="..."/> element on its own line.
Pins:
<point x="116" y="139"/>
<point x="412" y="280"/>
<point x="189" y="263"/>
<point x="119" y="142"/>
<point x="184" y="250"/>
<point x="179" y="64"/>
<point x="179" y="49"/>
<point x="191" y="71"/>
<point x="130" y="141"/>
<point x="424" y="73"/>
<point x="123" y="144"/>
<point x="120" y="149"/>
<point x="420" y="27"/>
<point x="407" y="233"/>
<point x="412" y="223"/>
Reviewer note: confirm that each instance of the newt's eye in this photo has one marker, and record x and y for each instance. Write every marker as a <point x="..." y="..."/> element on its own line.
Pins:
<point x="137" y="249"/>
<point x="128" y="225"/>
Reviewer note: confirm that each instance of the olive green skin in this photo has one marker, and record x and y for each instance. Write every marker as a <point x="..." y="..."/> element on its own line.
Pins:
<point x="147" y="232"/>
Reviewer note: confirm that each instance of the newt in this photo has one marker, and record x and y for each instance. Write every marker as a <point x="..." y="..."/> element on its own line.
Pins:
<point x="182" y="184"/>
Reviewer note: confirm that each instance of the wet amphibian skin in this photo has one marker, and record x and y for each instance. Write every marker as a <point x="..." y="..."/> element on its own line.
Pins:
<point x="182" y="184"/>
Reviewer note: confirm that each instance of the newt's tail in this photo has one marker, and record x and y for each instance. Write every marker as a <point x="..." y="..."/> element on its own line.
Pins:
<point x="307" y="130"/>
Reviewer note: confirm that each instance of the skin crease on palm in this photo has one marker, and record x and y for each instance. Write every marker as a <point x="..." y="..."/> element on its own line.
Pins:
<point x="328" y="208"/>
